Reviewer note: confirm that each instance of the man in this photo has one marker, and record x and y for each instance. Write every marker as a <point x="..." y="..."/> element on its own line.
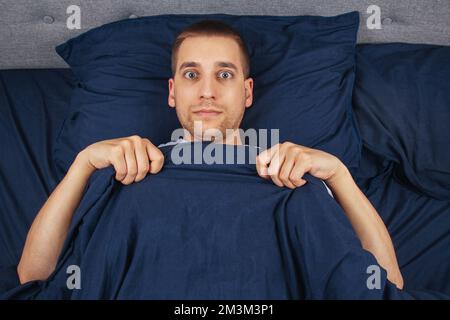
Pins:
<point x="210" y="86"/>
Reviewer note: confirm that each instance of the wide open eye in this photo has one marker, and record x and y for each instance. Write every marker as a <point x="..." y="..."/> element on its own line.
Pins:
<point x="190" y="75"/>
<point x="225" y="75"/>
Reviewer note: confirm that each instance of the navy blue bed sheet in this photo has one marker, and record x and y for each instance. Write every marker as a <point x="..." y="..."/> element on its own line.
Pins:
<point x="33" y="105"/>
<point x="401" y="100"/>
<point x="418" y="224"/>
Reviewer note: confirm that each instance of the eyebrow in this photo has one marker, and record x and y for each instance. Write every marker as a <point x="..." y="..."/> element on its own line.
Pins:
<point x="222" y="64"/>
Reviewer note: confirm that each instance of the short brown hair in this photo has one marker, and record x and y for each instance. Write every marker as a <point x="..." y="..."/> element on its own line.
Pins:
<point x="211" y="28"/>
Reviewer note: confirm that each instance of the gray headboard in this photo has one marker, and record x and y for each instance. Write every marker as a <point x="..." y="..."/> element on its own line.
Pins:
<point x="30" y="29"/>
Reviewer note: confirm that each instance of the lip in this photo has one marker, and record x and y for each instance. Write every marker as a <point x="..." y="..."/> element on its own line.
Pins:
<point x="207" y="112"/>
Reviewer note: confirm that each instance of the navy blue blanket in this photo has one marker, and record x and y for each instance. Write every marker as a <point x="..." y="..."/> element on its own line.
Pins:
<point x="199" y="231"/>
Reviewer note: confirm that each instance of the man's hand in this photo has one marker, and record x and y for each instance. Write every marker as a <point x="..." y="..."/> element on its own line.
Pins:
<point x="132" y="157"/>
<point x="286" y="164"/>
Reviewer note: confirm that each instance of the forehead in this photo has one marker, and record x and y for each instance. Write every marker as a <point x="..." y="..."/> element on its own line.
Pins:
<point x="209" y="49"/>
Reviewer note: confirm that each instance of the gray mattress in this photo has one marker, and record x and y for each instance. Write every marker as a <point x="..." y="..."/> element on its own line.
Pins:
<point x="30" y="29"/>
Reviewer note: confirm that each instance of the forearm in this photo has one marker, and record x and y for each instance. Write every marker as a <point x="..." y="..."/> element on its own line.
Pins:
<point x="366" y="222"/>
<point x="49" y="230"/>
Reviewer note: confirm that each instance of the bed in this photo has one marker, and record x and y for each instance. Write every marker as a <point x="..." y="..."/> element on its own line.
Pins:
<point x="403" y="166"/>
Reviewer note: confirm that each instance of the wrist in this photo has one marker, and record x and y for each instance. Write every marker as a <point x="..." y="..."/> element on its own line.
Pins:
<point x="342" y="173"/>
<point x="81" y="165"/>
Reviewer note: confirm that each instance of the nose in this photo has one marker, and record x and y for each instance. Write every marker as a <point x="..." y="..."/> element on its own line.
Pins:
<point x="207" y="88"/>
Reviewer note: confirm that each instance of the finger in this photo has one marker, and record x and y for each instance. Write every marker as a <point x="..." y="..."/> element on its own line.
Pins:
<point x="263" y="160"/>
<point x="156" y="157"/>
<point x="285" y="171"/>
<point x="143" y="164"/>
<point x="119" y="163"/>
<point x="274" y="168"/>
<point x="297" y="172"/>
<point x="130" y="158"/>
<point x="261" y="168"/>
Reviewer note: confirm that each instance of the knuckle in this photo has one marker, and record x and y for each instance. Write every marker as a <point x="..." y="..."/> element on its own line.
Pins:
<point x="286" y="144"/>
<point x="142" y="172"/>
<point x="299" y="155"/>
<point x="126" y="143"/>
<point x="273" y="173"/>
<point x="144" y="143"/>
<point x="129" y="176"/>
<point x="117" y="150"/>
<point x="294" y="178"/>
<point x="275" y="177"/>
<point x="284" y="175"/>
<point x="278" y="182"/>
<point x="274" y="169"/>
<point x="144" y="166"/>
<point x="137" y="140"/>
<point x="148" y="143"/>
<point x="294" y="149"/>
<point x="159" y="157"/>
<point x="121" y="173"/>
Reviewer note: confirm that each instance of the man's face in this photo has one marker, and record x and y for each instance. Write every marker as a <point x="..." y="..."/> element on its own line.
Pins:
<point x="209" y="85"/>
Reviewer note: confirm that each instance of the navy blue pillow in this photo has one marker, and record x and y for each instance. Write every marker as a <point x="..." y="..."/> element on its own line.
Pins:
<point x="402" y="104"/>
<point x="303" y="70"/>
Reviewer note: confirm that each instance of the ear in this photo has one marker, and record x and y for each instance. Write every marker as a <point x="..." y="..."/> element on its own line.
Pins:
<point x="171" y="97"/>
<point x="248" y="92"/>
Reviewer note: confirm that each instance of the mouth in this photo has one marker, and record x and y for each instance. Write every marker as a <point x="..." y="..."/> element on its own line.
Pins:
<point x="207" y="113"/>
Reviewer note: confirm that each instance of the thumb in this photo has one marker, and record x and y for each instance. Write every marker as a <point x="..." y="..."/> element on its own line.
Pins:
<point x="156" y="158"/>
<point x="262" y="162"/>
